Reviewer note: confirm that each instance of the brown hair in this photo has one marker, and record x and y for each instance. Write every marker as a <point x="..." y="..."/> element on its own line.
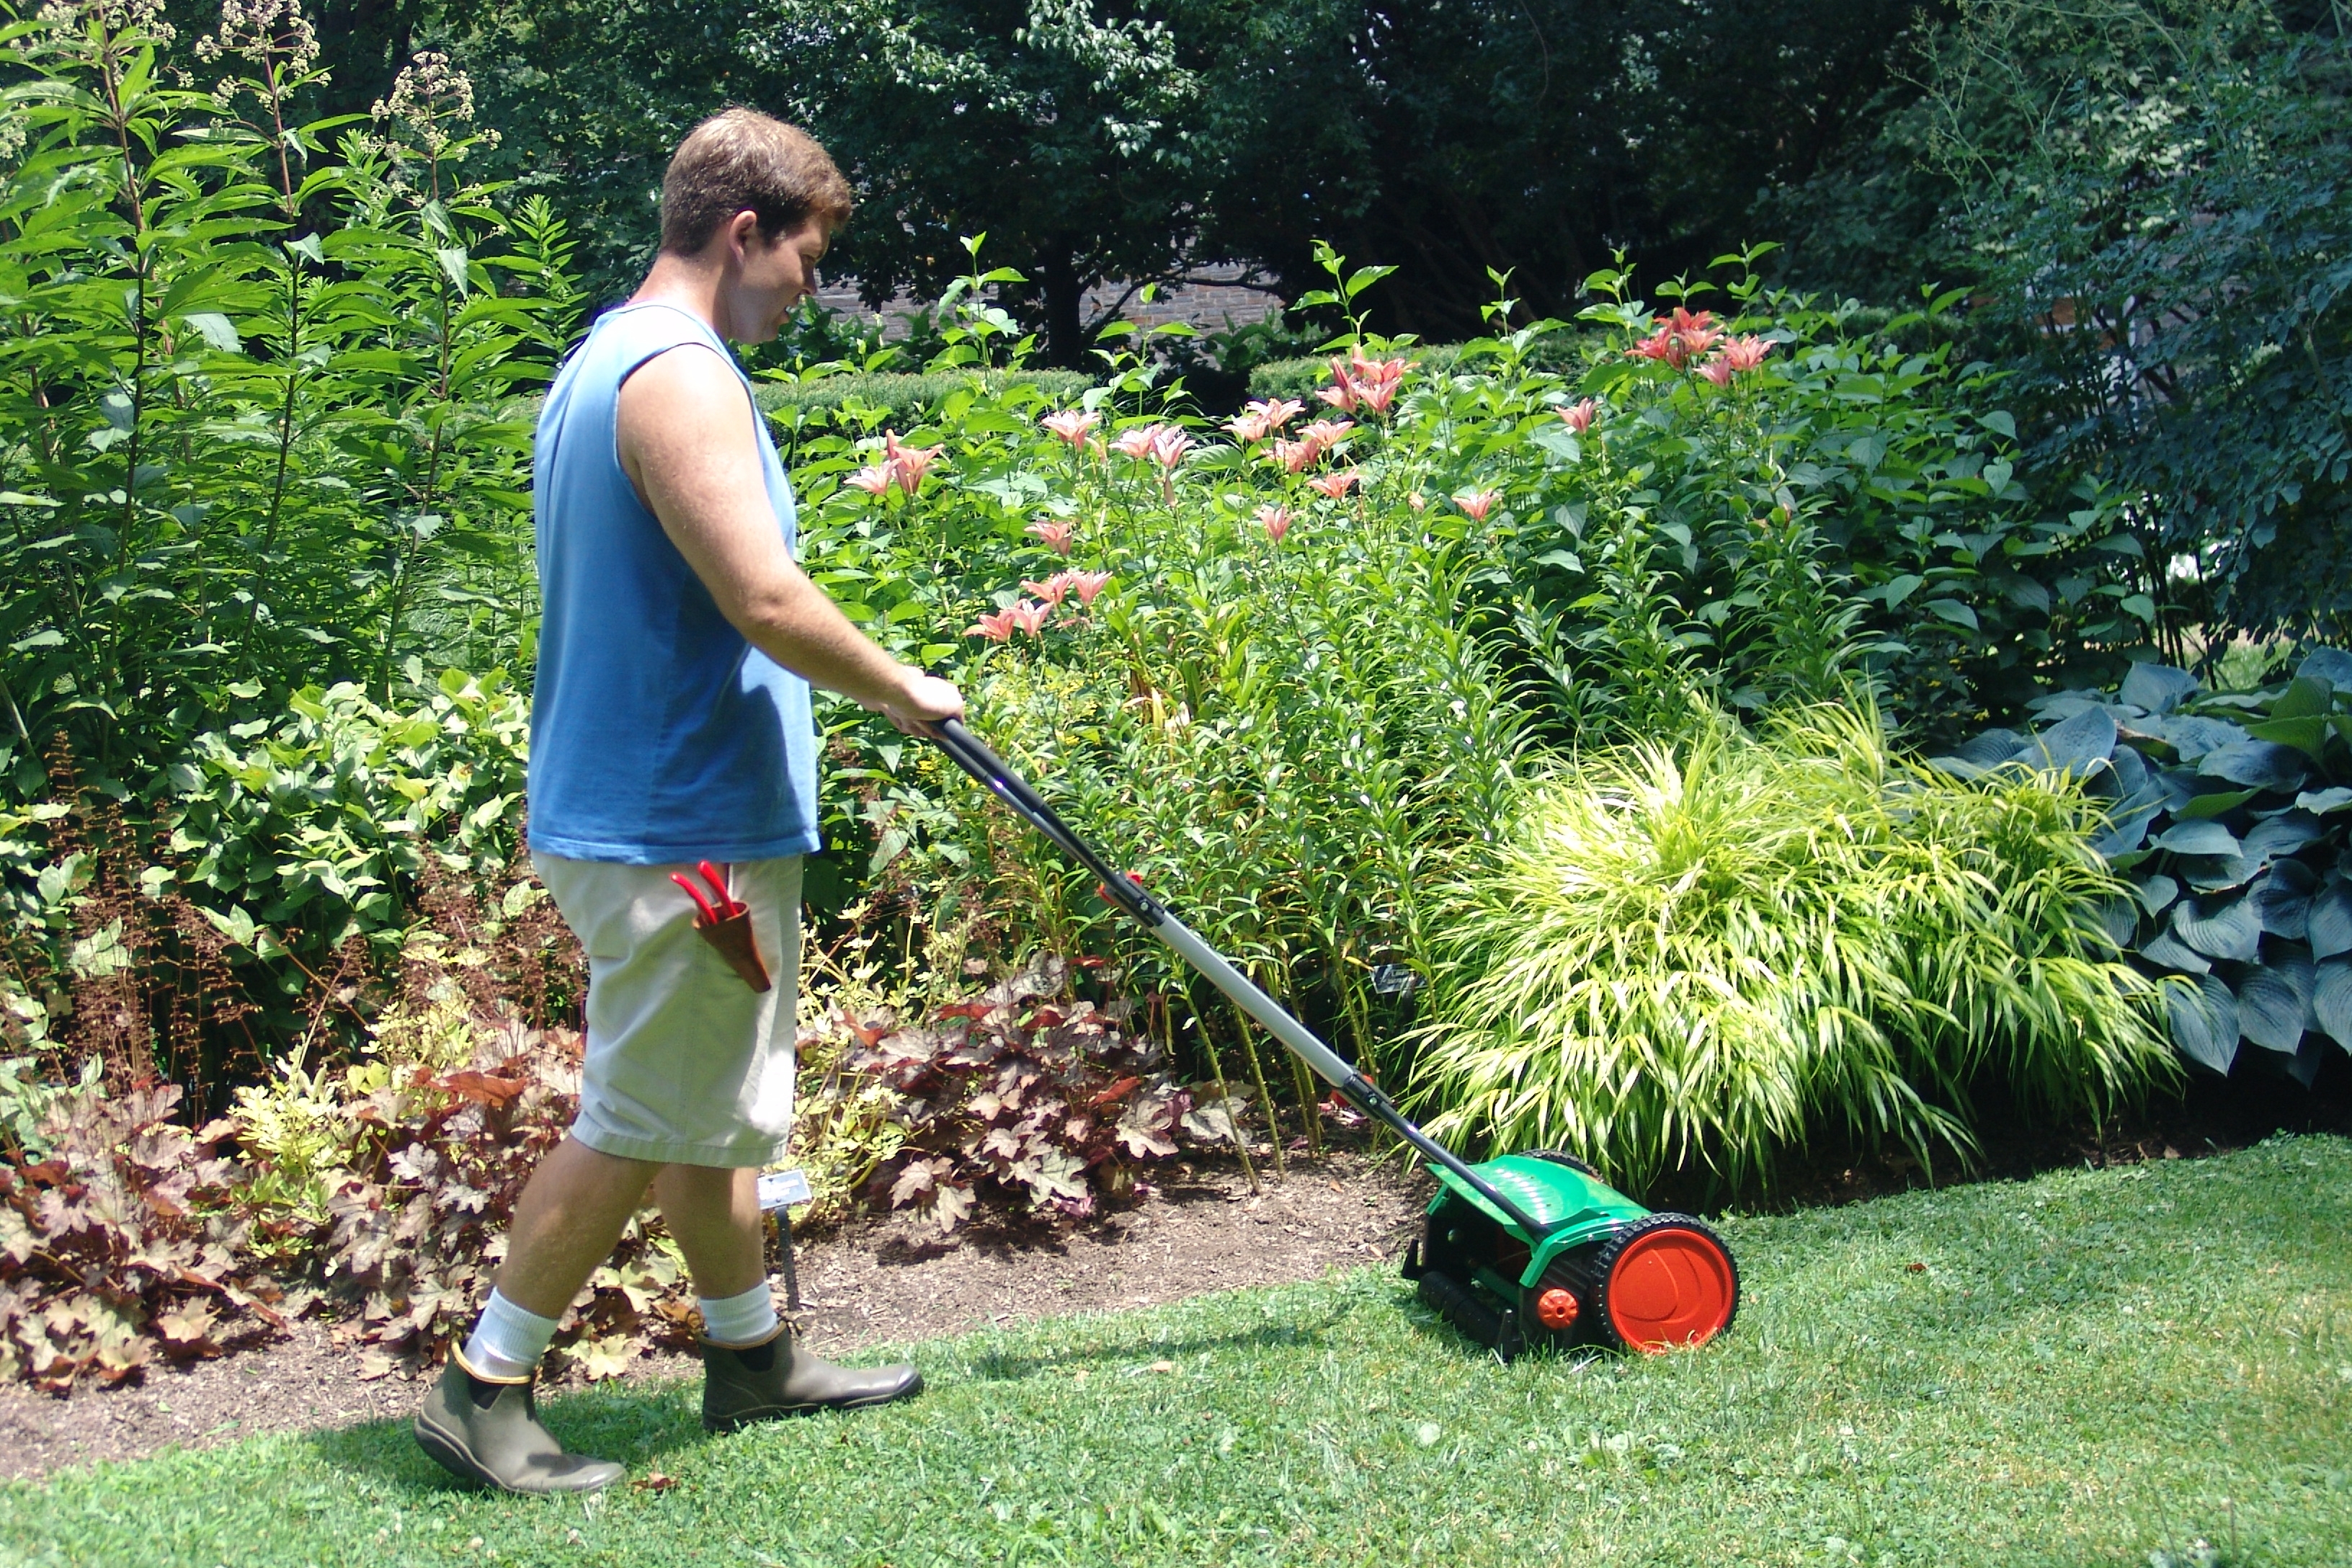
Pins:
<point x="740" y="160"/>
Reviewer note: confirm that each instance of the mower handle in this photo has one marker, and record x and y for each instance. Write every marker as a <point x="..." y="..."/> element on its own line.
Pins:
<point x="968" y="751"/>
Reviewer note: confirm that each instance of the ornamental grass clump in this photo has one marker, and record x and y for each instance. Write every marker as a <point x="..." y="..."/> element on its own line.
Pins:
<point x="1705" y="955"/>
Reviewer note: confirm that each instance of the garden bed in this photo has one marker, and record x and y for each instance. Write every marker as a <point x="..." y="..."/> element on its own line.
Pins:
<point x="863" y="1283"/>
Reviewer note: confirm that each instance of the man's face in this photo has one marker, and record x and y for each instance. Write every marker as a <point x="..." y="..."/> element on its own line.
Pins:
<point x="776" y="276"/>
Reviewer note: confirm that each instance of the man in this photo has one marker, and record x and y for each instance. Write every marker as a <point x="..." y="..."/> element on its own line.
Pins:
<point x="671" y="726"/>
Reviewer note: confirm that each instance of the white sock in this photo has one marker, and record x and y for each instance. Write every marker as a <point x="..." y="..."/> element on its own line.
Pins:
<point x="738" y="1320"/>
<point x="508" y="1341"/>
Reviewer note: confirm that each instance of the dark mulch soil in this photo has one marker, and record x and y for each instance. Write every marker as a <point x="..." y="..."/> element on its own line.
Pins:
<point x="867" y="1282"/>
<point x="875" y="1280"/>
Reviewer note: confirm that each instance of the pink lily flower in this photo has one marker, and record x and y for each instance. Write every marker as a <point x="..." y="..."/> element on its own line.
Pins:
<point x="1054" y="532"/>
<point x="1264" y="417"/>
<point x="1294" y="455"/>
<point x="1659" y="345"/>
<point x="1088" y="586"/>
<point x="1275" y="521"/>
<point x="1579" y="415"/>
<point x="907" y="464"/>
<point x="997" y="627"/>
<point x="1718" y="370"/>
<point x="1028" y="615"/>
<point x="1050" y="590"/>
<point x="1697" y="330"/>
<point x="1168" y="445"/>
<point x="1476" y="504"/>
<point x="1135" y="442"/>
<point x="1071" y="425"/>
<point x="1336" y="485"/>
<point x="1745" y="353"/>
<point x="1360" y="384"/>
<point x="873" y="481"/>
<point x="1326" y="434"/>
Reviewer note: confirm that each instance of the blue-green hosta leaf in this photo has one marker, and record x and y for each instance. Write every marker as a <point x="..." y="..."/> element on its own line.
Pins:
<point x="2219" y="927"/>
<point x="2156" y="686"/>
<point x="2307" y="734"/>
<point x="2119" y="918"/>
<point x="2214" y="804"/>
<point x="2126" y="828"/>
<point x="2275" y="1000"/>
<point x="2195" y="838"/>
<point x="2283" y="899"/>
<point x="2284" y="834"/>
<point x="2329" y="926"/>
<point x="2169" y="953"/>
<point x="2304" y="695"/>
<point x="2331" y="999"/>
<point x="2331" y="664"/>
<point x="2193" y="737"/>
<point x="2321" y="802"/>
<point x="2132" y="772"/>
<point x="2264" y="765"/>
<point x="2075" y="746"/>
<point x="1992" y="748"/>
<point x="2214" y="873"/>
<point x="2155" y="894"/>
<point x="2204" y="1022"/>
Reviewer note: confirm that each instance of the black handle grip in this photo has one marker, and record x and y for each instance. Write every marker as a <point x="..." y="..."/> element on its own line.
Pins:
<point x="968" y="751"/>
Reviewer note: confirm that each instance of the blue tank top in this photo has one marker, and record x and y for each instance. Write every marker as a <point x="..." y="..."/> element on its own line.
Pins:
<point x="657" y="733"/>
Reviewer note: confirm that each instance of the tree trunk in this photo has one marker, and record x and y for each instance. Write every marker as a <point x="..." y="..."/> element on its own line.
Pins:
<point x="1065" y="325"/>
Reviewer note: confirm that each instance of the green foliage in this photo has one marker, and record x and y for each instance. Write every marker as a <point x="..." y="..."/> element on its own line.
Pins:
<point x="257" y="391"/>
<point x="868" y="400"/>
<point x="2146" y="198"/>
<point x="1025" y="1090"/>
<point x="1897" y="1349"/>
<point x="1711" y="955"/>
<point x="2231" y="814"/>
<point x="120" y="1244"/>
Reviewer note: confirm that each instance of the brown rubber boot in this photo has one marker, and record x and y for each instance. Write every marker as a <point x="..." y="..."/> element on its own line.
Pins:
<point x="486" y="1429"/>
<point x="776" y="1377"/>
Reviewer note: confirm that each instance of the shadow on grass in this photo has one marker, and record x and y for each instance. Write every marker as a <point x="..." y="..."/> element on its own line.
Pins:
<point x="632" y="1424"/>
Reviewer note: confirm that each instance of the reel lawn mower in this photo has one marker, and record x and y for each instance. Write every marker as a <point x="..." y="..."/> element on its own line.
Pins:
<point x="1521" y="1251"/>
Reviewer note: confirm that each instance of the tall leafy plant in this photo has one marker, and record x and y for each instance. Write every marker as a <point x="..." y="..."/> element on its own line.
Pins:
<point x="256" y="381"/>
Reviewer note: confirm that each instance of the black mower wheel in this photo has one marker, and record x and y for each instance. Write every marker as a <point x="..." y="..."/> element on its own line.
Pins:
<point x="1665" y="1281"/>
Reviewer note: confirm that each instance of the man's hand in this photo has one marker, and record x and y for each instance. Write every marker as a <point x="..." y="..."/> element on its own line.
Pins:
<point x="927" y="698"/>
<point x="689" y="444"/>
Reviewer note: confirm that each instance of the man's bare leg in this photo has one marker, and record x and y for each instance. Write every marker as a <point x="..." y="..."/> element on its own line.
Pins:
<point x="714" y="1216"/>
<point x="565" y="1223"/>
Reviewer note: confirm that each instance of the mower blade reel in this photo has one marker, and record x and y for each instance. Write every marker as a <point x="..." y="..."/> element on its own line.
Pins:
<point x="1461" y="1307"/>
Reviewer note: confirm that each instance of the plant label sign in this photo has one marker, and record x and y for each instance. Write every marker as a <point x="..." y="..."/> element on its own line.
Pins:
<point x="781" y="1189"/>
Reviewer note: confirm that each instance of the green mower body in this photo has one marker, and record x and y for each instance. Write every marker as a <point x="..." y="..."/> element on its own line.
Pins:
<point x="1601" y="1270"/>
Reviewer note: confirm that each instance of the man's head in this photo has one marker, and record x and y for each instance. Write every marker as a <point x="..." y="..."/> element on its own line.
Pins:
<point x="760" y="200"/>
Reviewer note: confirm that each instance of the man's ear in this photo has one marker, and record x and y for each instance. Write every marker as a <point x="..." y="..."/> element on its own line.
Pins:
<point x="743" y="230"/>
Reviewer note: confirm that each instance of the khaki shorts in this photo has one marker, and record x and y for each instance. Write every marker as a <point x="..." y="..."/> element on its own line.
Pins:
<point x="686" y="1065"/>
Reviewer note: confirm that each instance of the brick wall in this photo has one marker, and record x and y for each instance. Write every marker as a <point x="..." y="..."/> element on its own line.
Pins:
<point x="1211" y="301"/>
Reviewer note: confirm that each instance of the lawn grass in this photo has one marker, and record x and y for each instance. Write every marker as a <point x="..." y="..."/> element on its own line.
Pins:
<point x="2091" y="1367"/>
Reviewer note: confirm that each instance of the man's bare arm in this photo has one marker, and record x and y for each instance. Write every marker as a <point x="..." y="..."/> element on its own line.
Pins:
<point x="687" y="443"/>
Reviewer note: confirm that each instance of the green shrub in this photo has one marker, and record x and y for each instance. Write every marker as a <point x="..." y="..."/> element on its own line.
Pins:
<point x="258" y="387"/>
<point x="1710" y="954"/>
<point x="872" y="400"/>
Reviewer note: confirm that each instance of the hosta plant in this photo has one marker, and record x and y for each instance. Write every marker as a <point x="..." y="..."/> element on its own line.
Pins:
<point x="1023" y="1092"/>
<point x="2231" y="814"/>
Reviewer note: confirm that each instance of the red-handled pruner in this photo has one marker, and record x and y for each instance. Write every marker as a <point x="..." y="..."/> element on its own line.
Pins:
<point x="725" y="926"/>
